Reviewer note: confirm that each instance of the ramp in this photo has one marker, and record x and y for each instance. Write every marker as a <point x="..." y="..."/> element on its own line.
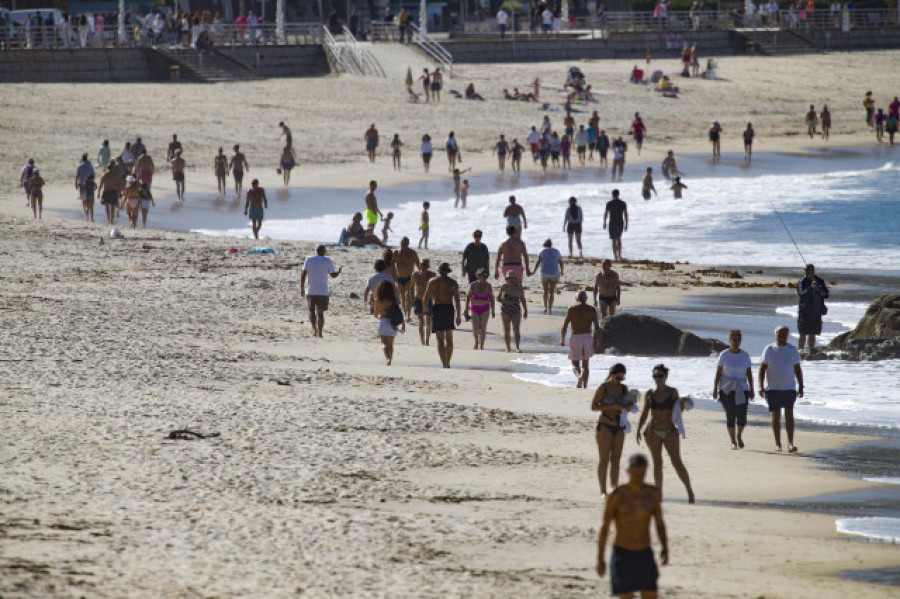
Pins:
<point x="395" y="59"/>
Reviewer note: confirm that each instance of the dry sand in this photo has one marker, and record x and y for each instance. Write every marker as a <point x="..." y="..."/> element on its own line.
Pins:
<point x="334" y="475"/>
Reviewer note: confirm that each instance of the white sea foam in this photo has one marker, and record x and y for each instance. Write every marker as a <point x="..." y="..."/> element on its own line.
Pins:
<point x="887" y="480"/>
<point x="876" y="528"/>
<point x="843" y="314"/>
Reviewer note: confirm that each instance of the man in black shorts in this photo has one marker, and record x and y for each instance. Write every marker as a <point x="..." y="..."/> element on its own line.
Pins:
<point x="444" y="292"/>
<point x="780" y="367"/>
<point x="631" y="506"/>
<point x="419" y="284"/>
<point x="813" y="292"/>
<point x="617" y="215"/>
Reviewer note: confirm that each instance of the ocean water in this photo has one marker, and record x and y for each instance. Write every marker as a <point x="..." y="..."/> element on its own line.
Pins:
<point x="877" y="528"/>
<point x="842" y="219"/>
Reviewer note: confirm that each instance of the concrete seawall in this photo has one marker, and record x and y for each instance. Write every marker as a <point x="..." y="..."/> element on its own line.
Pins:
<point x="281" y="61"/>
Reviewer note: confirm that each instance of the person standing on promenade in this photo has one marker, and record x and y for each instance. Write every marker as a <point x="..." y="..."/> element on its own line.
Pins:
<point x="480" y="299"/>
<point x="372" y="211"/>
<point x="419" y="283"/>
<point x="237" y="165"/>
<point x="371" y="139"/>
<point x="145" y="168"/>
<point x="513" y="308"/>
<point x="664" y="407"/>
<point x="616" y="216"/>
<point x="780" y="365"/>
<point x="715" y="137"/>
<point x="583" y="343"/>
<point x="572" y="224"/>
<point x="82" y="172"/>
<point x="178" y="165"/>
<point x="385" y="299"/>
<point x="109" y="189"/>
<point x="475" y="257"/>
<point x="647" y="184"/>
<point x="512" y="253"/>
<point x="609" y="289"/>
<point x="175" y="147"/>
<point x="444" y="292"/>
<point x="733" y="387"/>
<point x="826" y="122"/>
<point x="502" y="20"/>
<point x="609" y="400"/>
<point x="314" y="287"/>
<point x="406" y="262"/>
<point x="812" y="121"/>
<point x="749" y="134"/>
<point x="515" y="217"/>
<point x="813" y="292"/>
<point x="550" y="265"/>
<point x="220" y="167"/>
<point x="632" y="568"/>
<point x="256" y="200"/>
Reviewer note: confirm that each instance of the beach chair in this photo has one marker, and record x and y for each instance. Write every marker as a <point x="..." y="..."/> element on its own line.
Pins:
<point x="412" y="96"/>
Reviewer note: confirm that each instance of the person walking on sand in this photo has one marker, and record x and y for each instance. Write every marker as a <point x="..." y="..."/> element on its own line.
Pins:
<point x="457" y="188"/>
<point x="145" y="168"/>
<point x="406" y="262"/>
<point x="869" y="105"/>
<point x="515" y="217"/>
<point x="396" y="146"/>
<point x="426" y="148"/>
<point x="146" y="202"/>
<point x="286" y="134"/>
<point x="475" y="257"/>
<point x="749" y="134"/>
<point x="550" y="265"/>
<point x="826" y="122"/>
<point x="25" y="180"/>
<point x="419" y="283"/>
<point x="287" y="163"/>
<point x="90" y="189"/>
<point x="733" y="387"/>
<point x="386" y="227"/>
<point x="132" y="200"/>
<point x="609" y="289"/>
<point x="385" y="301"/>
<point x="452" y="147"/>
<point x="715" y="137"/>
<point x="178" y="165"/>
<point x="372" y="211"/>
<point x="616" y="216"/>
<point x="220" y="168"/>
<point x="103" y="154"/>
<point x="515" y="150"/>
<point x="665" y="408"/>
<point x="638" y="129"/>
<point x="513" y="308"/>
<point x="609" y="400"/>
<point x="237" y="165"/>
<point x="374" y="281"/>
<point x="619" y="149"/>
<point x="480" y="306"/>
<point x="780" y="366"/>
<point x="257" y="204"/>
<point x="677" y="187"/>
<point x="173" y="148"/>
<point x="82" y="172"/>
<point x="512" y="253"/>
<point x="501" y="149"/>
<point x="631" y="507"/>
<point x="572" y="224"/>
<point x="812" y="121"/>
<point x="371" y="139"/>
<point x="424" y="225"/>
<point x="109" y="189"/>
<point x="813" y="292"/>
<point x="314" y="287"/>
<point x="647" y="184"/>
<point x="36" y="186"/>
<point x="583" y="342"/>
<point x="444" y="292"/>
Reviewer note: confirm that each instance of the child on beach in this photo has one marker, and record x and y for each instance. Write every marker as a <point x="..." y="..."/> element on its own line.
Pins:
<point x="677" y="187"/>
<point x="457" y="186"/>
<point x="386" y="227"/>
<point x="423" y="226"/>
<point x="565" y="147"/>
<point x="464" y="191"/>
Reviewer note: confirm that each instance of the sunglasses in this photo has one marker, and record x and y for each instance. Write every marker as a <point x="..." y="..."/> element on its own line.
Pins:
<point x="621" y="377"/>
<point x="659" y="376"/>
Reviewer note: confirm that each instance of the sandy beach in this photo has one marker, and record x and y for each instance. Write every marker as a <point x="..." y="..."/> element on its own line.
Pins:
<point x="329" y="474"/>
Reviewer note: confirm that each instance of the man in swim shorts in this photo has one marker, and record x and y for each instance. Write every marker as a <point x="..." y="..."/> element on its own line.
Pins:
<point x="406" y="262"/>
<point x="108" y="189"/>
<point x="512" y="253"/>
<point x="515" y="217"/>
<point x="647" y="184"/>
<point x="178" y="165"/>
<point x="617" y="216"/>
<point x="372" y="211"/>
<point x="237" y="165"/>
<point x="316" y="270"/>
<point x="256" y="199"/>
<point x="145" y="168"/>
<point x="175" y="147"/>
<point x="419" y="283"/>
<point x="583" y="343"/>
<point x="444" y="292"/>
<point x="371" y="138"/>
<point x="608" y="287"/>
<point x="631" y="506"/>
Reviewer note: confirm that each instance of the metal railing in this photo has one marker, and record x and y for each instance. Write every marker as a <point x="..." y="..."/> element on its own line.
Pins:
<point x="368" y="64"/>
<point x="432" y="48"/>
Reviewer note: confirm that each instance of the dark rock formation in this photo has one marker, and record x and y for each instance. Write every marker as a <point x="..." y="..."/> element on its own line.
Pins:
<point x="644" y="335"/>
<point x="876" y="336"/>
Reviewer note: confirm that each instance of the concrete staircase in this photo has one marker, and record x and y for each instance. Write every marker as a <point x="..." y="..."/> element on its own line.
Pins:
<point x="774" y="42"/>
<point x="207" y="67"/>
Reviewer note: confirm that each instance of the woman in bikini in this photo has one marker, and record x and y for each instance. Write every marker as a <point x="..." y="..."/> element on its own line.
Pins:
<point x="287" y="163"/>
<point x="512" y="307"/>
<point x="396" y="144"/>
<point x="481" y="300"/>
<point x="609" y="400"/>
<point x="132" y="200"/>
<point x="220" y="166"/>
<point x="659" y="403"/>
<point x="384" y="301"/>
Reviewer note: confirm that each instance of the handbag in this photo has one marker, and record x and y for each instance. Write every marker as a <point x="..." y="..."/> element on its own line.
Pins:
<point x="396" y="315"/>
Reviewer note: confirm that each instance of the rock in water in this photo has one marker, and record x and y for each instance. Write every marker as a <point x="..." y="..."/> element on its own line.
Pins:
<point x="649" y="336"/>
<point x="881" y="321"/>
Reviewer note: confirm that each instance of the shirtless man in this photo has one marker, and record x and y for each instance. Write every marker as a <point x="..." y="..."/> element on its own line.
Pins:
<point x="669" y="168"/>
<point x="631" y="506"/>
<point x="237" y="165"/>
<point x="372" y="211"/>
<point x="647" y="184"/>
<point x="583" y="344"/>
<point x="419" y="283"/>
<point x="371" y="137"/>
<point x="174" y="148"/>
<point x="178" y="175"/>
<point x="406" y="261"/>
<point x="812" y="121"/>
<point x="286" y="133"/>
<point x="607" y="285"/>
<point x="145" y="168"/>
<point x="512" y="253"/>
<point x="616" y="215"/>
<point x="109" y="188"/>
<point x="515" y="217"/>
<point x="256" y="200"/>
<point x="444" y="292"/>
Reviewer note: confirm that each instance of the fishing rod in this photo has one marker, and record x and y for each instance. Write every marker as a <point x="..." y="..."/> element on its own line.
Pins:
<point x="784" y="224"/>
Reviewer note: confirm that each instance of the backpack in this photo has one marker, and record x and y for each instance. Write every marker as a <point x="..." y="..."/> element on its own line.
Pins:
<point x="396" y="315"/>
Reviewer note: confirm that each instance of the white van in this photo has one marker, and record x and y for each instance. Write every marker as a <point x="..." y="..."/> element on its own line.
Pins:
<point x="16" y="20"/>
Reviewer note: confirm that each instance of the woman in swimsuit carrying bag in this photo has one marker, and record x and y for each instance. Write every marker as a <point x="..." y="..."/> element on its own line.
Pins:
<point x="480" y="306"/>
<point x="609" y="400"/>
<point x="659" y="403"/>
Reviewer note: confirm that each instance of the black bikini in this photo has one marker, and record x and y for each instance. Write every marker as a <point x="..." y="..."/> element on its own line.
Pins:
<point x="615" y="429"/>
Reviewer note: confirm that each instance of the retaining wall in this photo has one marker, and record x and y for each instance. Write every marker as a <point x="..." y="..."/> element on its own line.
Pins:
<point x="281" y="61"/>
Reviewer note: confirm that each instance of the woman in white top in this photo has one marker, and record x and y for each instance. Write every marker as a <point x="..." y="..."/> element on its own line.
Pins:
<point x="733" y="387"/>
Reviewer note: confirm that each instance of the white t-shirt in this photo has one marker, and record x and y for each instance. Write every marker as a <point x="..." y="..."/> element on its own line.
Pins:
<point x="547" y="16"/>
<point x="502" y="17"/>
<point x="534" y="137"/>
<point x="377" y="278"/>
<point x="780" y="361"/>
<point x="549" y="262"/>
<point x="735" y="365"/>
<point x="317" y="269"/>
